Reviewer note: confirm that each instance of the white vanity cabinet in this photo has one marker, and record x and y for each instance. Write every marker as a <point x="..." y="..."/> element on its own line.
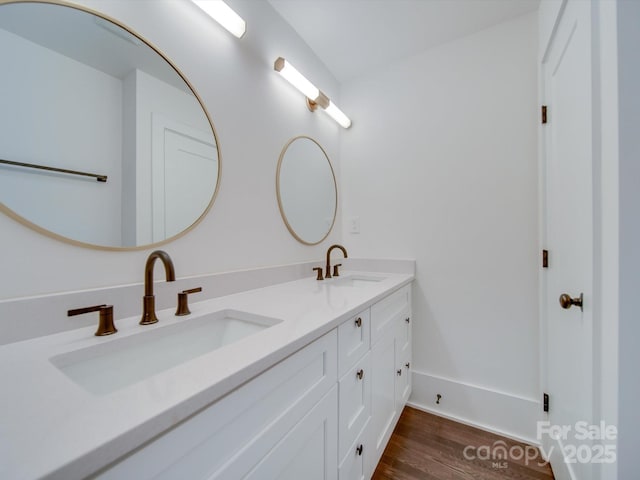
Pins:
<point x="326" y="412"/>
<point x="280" y="425"/>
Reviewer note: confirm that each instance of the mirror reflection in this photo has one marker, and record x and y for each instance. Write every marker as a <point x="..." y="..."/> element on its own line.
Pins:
<point x="307" y="192"/>
<point x="82" y="93"/>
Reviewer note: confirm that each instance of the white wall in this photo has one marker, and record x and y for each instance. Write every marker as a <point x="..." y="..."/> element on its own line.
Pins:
<point x="48" y="98"/>
<point x="255" y="113"/>
<point x="628" y="18"/>
<point x="441" y="166"/>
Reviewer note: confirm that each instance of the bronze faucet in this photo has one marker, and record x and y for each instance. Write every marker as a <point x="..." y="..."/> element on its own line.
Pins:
<point x="335" y="270"/>
<point x="149" y="299"/>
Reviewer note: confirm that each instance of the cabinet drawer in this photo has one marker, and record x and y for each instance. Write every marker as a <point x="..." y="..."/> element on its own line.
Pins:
<point x="353" y="340"/>
<point x="387" y="311"/>
<point x="231" y="433"/>
<point x="354" y="403"/>
<point x="354" y="464"/>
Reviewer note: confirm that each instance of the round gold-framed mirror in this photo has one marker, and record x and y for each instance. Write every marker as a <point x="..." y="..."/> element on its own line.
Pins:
<point x="108" y="145"/>
<point x="306" y="190"/>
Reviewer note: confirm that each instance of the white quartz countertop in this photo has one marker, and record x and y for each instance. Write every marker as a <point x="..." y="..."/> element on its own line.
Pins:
<point x="51" y="427"/>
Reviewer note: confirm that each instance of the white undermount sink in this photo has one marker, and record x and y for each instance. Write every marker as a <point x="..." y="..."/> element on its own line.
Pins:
<point x="357" y="281"/>
<point x="118" y="363"/>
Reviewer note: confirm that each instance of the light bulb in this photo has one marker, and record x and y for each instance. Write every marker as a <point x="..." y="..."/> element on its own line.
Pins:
<point x="295" y="78"/>
<point x="338" y="115"/>
<point x="224" y="15"/>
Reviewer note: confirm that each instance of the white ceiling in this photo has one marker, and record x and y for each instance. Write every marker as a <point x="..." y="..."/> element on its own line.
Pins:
<point x="353" y="37"/>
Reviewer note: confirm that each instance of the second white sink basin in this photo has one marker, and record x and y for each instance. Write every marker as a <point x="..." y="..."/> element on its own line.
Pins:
<point x="357" y="281"/>
<point x="118" y="363"/>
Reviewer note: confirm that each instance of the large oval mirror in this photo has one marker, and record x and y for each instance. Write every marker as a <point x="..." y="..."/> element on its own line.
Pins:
<point x="104" y="142"/>
<point x="307" y="192"/>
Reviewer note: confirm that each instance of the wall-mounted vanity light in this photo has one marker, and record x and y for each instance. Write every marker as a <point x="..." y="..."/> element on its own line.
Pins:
<point x="314" y="96"/>
<point x="224" y="15"/>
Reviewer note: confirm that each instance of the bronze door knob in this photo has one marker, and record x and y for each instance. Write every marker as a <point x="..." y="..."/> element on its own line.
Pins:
<point x="567" y="302"/>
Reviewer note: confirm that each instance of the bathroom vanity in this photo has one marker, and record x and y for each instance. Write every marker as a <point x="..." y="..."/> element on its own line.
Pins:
<point x="302" y="379"/>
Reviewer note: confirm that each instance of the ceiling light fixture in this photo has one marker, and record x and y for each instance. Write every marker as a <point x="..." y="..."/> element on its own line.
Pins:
<point x="314" y="96"/>
<point x="224" y="15"/>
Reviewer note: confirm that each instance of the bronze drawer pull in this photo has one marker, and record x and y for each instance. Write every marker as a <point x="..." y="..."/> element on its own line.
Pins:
<point x="359" y="450"/>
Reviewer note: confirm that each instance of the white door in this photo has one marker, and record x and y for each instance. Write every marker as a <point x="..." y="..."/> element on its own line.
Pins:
<point x="383" y="402"/>
<point x="184" y="172"/>
<point x="566" y="76"/>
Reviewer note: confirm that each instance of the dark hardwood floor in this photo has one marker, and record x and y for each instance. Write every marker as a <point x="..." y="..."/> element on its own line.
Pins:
<point x="427" y="447"/>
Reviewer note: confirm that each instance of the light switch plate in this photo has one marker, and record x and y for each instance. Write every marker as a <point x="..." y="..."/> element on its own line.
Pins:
<point x="354" y="225"/>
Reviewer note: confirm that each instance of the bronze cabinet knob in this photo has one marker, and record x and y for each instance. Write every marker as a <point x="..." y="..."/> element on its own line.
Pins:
<point x="359" y="450"/>
<point x="360" y="374"/>
<point x="358" y="322"/>
<point x="567" y="302"/>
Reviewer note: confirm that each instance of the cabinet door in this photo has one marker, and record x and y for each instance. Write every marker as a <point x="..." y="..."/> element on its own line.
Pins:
<point x="354" y="464"/>
<point x="308" y="451"/>
<point x="354" y="403"/>
<point x="383" y="403"/>
<point x="403" y="360"/>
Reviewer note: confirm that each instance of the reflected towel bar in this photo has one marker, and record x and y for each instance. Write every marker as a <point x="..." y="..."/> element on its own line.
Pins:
<point x="99" y="178"/>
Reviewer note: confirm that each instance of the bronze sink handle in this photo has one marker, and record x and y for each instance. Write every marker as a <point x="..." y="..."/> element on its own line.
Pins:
<point x="105" y="325"/>
<point x="319" y="270"/>
<point x="183" y="302"/>
<point x="336" y="272"/>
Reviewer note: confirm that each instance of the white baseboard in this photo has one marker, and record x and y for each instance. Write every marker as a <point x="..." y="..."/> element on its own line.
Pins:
<point x="497" y="412"/>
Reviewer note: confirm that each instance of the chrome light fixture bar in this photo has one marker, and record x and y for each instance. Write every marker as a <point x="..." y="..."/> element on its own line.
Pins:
<point x="314" y="95"/>
<point x="224" y="15"/>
